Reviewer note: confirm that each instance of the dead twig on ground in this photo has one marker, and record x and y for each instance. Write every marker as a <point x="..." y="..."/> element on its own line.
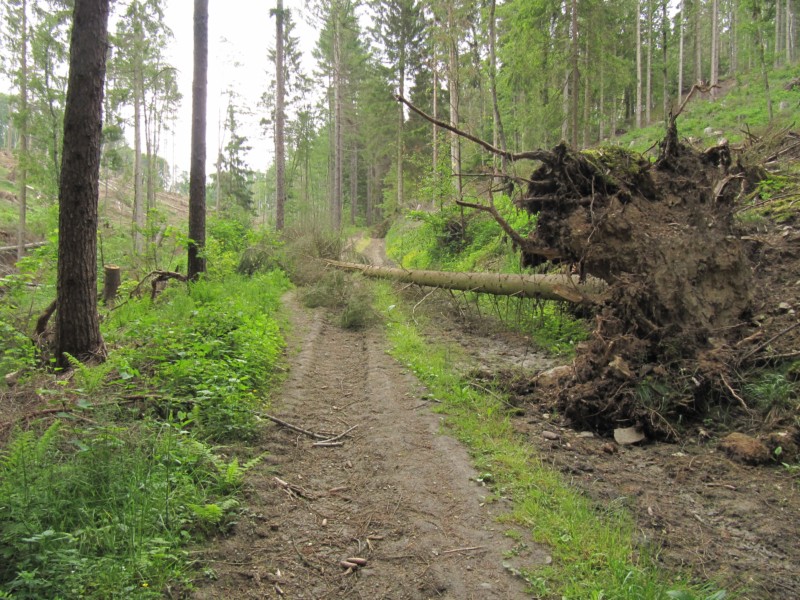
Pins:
<point x="293" y="490"/>
<point x="287" y="425"/>
<point x="338" y="437"/>
<point x="468" y="549"/>
<point x="769" y="341"/>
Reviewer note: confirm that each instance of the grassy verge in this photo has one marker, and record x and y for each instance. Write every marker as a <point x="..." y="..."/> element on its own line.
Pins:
<point x="102" y="501"/>
<point x="591" y="546"/>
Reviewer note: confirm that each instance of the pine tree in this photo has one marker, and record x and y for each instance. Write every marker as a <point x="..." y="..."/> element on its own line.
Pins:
<point x="77" y="329"/>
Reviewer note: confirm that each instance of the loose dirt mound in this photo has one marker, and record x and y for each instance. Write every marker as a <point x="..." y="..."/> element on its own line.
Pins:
<point x="664" y="237"/>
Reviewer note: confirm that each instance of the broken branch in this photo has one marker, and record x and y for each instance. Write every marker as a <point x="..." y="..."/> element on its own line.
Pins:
<point x="540" y="155"/>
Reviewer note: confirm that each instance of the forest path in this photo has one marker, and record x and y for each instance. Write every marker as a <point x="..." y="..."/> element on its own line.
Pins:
<point x="397" y="493"/>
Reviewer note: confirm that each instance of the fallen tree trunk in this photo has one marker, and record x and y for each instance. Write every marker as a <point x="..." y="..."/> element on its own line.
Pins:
<point x="548" y="287"/>
<point x="29" y="246"/>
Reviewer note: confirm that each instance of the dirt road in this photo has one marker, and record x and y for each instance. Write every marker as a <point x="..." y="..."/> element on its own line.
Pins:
<point x="397" y="493"/>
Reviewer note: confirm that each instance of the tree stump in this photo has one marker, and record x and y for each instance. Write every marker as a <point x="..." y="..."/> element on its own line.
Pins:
<point x="112" y="280"/>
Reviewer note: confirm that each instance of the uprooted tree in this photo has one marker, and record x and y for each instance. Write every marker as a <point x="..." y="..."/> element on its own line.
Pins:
<point x="662" y="236"/>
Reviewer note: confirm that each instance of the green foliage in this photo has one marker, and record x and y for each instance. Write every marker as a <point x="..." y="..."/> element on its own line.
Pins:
<point x="344" y="292"/>
<point x="264" y="254"/>
<point x="210" y="352"/>
<point x="771" y="391"/>
<point x="227" y="236"/>
<point x="103" y="512"/>
<point x="741" y="110"/>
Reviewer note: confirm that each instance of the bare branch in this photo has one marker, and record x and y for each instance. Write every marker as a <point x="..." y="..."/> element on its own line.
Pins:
<point x="541" y="155"/>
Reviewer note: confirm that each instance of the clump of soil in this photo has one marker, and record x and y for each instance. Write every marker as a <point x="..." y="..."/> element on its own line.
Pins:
<point x="664" y="236"/>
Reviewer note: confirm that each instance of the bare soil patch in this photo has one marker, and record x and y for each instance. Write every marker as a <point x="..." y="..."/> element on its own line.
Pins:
<point x="397" y="493"/>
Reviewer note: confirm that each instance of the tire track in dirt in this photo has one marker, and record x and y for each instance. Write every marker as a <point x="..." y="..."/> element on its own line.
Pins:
<point x="397" y="493"/>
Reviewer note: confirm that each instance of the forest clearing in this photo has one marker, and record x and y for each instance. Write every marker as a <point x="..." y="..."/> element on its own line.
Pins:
<point x="511" y="310"/>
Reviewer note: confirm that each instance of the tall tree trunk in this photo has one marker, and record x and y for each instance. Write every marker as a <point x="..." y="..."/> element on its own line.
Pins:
<point x="648" y="97"/>
<point x="280" y="144"/>
<point x="789" y="27"/>
<point x="197" y="169"/>
<point x="77" y="329"/>
<point x="638" y="108"/>
<point x="681" y="28"/>
<point x="762" y="55"/>
<point x="574" y="75"/>
<point x="23" y="132"/>
<point x="353" y="182"/>
<point x="714" y="47"/>
<point x="138" y="202"/>
<point x="602" y="104"/>
<point x="586" y="96"/>
<point x="778" y="33"/>
<point x="733" y="61"/>
<point x="665" y="81"/>
<point x="435" y="130"/>
<point x="368" y="208"/>
<point x="698" y="45"/>
<point x="499" y="134"/>
<point x="401" y="85"/>
<point x="337" y="123"/>
<point x="452" y="79"/>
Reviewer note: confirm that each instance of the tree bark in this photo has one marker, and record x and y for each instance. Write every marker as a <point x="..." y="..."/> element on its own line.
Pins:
<point x="338" y="150"/>
<point x="77" y="324"/>
<point x="499" y="133"/>
<point x="648" y="97"/>
<point x="23" y="152"/>
<point x="112" y="278"/>
<point x="548" y="287"/>
<point x="280" y="144"/>
<point x="714" y="47"/>
<point x="138" y="202"/>
<point x="197" y="169"/>
<point x="638" y="110"/>
<point x="682" y="27"/>
<point x="452" y="80"/>
<point x="698" y="46"/>
<point x="574" y="76"/>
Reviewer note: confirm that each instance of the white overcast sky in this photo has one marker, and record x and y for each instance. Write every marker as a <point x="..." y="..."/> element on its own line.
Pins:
<point x="240" y="32"/>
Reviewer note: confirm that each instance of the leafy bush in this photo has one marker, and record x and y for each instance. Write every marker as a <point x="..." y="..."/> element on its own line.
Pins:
<point x="211" y="352"/>
<point x="344" y="292"/>
<point x="103" y="512"/>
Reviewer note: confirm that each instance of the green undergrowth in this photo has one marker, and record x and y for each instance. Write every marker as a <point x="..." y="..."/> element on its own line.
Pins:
<point x="103" y="501"/>
<point x="450" y="240"/>
<point x="592" y="545"/>
<point x="735" y="114"/>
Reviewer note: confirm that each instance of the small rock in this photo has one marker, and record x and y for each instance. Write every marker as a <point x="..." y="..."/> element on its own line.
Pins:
<point x="485" y="586"/>
<point x="784" y="307"/>
<point x="554" y="376"/>
<point x="609" y="448"/>
<point x="585" y="434"/>
<point x="549" y="435"/>
<point x="744" y="448"/>
<point x="12" y="378"/>
<point x="627" y="436"/>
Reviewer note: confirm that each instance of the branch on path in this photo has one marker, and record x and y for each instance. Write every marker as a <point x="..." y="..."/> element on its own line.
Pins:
<point x="325" y="438"/>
